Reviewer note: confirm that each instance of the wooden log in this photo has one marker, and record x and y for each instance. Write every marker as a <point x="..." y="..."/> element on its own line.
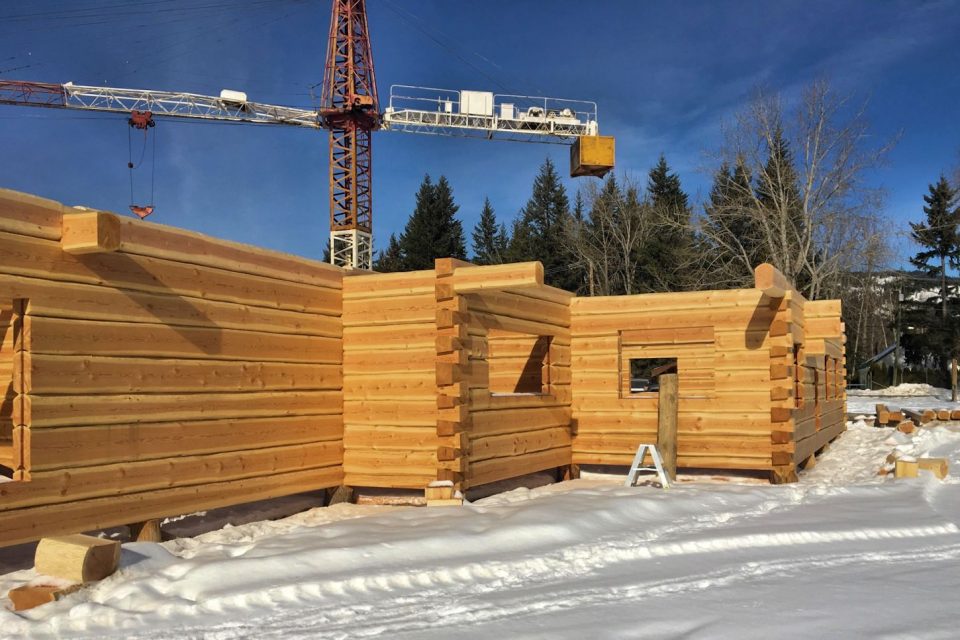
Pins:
<point x="90" y="232"/>
<point x="929" y="415"/>
<point x="667" y="411"/>
<point x="30" y="215"/>
<point x="916" y="416"/>
<point x="62" y="411"/>
<point x="769" y="280"/>
<point x="146" y="531"/>
<point x="29" y="596"/>
<point x="179" y="245"/>
<point x="783" y="474"/>
<point x="78" y="558"/>
<point x="498" y="277"/>
<point x="24" y="525"/>
<point x="943" y="414"/>
<point x="93" y="302"/>
<point x="89" y="338"/>
<point x="906" y="426"/>
<point x="106" y="444"/>
<point x="96" y="480"/>
<point x="76" y="375"/>
<point x="46" y="260"/>
<point x="440" y="490"/>
<point x="906" y="468"/>
<point x="940" y="467"/>
<point x="955" y="414"/>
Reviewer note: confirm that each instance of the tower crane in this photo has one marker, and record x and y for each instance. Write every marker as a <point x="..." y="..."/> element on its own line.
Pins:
<point x="350" y="111"/>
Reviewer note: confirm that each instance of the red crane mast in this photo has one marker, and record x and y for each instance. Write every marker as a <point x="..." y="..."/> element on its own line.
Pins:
<point x="350" y="110"/>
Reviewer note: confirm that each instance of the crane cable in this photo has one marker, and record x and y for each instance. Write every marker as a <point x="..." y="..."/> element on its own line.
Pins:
<point x="142" y="211"/>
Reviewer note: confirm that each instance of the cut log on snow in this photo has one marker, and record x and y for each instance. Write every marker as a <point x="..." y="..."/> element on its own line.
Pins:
<point x="78" y="558"/>
<point x="955" y="414"/>
<point x="30" y="596"/>
<point x="906" y="426"/>
<point x="916" y="416"/>
<point x="943" y="414"/>
<point x="940" y="467"/>
<point x="906" y="468"/>
<point x="929" y="415"/>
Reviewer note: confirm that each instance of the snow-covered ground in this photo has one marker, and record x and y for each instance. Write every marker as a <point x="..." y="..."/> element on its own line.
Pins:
<point x="904" y="396"/>
<point x="844" y="553"/>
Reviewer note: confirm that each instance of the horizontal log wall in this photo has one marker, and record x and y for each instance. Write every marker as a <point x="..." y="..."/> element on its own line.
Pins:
<point x="823" y="376"/>
<point x="517" y="340"/>
<point x="171" y="373"/>
<point x="721" y="340"/>
<point x="389" y="369"/>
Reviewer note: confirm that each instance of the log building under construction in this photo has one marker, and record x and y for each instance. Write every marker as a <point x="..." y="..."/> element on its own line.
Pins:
<point x="147" y="371"/>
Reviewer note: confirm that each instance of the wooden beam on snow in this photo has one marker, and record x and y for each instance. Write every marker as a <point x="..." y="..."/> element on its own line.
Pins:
<point x="90" y="232"/>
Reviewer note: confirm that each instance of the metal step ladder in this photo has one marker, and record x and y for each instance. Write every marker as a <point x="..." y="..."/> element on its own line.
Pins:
<point x="637" y="467"/>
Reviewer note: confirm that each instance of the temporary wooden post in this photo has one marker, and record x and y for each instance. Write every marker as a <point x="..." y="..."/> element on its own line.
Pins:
<point x="667" y="423"/>
<point x="148" y="531"/>
<point x="953" y="379"/>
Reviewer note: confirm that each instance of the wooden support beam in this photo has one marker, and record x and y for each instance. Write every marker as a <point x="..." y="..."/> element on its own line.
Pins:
<point x="667" y="423"/>
<point x="90" y="232"/>
<point x="146" y="531"/>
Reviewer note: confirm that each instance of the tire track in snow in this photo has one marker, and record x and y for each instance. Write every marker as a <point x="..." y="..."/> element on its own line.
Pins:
<point x="457" y="603"/>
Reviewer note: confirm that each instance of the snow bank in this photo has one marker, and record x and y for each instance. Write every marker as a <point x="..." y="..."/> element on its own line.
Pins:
<point x="908" y="395"/>
<point x="586" y="558"/>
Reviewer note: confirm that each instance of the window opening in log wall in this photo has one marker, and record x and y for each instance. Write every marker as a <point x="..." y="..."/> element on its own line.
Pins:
<point x="519" y="363"/>
<point x="8" y="393"/>
<point x="645" y="374"/>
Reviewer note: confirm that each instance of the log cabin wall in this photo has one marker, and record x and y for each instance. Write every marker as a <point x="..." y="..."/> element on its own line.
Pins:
<point x="721" y="343"/>
<point x="517" y="377"/>
<point x="389" y="368"/>
<point x="824" y="379"/>
<point x="159" y="371"/>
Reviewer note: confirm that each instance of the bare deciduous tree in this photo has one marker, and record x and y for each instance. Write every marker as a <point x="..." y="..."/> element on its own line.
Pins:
<point x="608" y="243"/>
<point x="808" y="209"/>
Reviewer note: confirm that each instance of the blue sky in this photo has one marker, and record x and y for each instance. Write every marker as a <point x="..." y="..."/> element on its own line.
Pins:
<point x="666" y="76"/>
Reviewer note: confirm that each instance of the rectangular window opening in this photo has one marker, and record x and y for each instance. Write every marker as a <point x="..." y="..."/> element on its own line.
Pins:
<point x="519" y="363"/>
<point x="645" y="374"/>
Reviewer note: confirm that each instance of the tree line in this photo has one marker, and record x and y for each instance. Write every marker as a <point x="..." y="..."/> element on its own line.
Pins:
<point x="790" y="187"/>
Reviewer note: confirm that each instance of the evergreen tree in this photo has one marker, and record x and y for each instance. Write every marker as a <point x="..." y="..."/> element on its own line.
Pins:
<point x="391" y="258"/>
<point x="940" y="234"/>
<point x="578" y="206"/>
<point x="731" y="222"/>
<point x="778" y="194"/>
<point x="538" y="234"/>
<point x="935" y="336"/>
<point x="433" y="230"/>
<point x="664" y="188"/>
<point x="489" y="239"/>
<point x="666" y="263"/>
